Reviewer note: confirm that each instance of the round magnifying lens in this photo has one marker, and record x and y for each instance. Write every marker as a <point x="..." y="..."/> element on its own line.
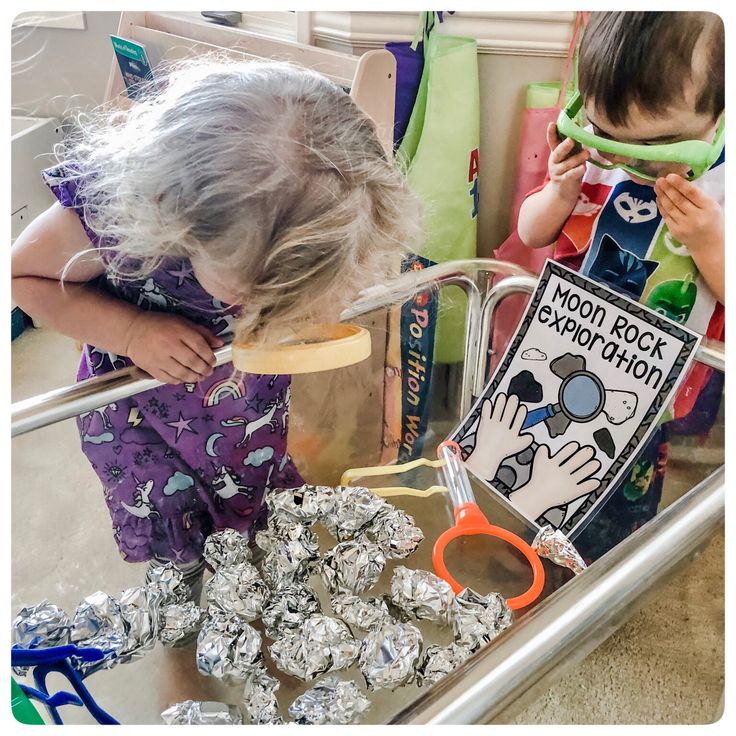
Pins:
<point x="582" y="396"/>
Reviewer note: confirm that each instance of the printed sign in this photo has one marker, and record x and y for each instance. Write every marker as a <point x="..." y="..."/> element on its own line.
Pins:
<point x="134" y="65"/>
<point x="581" y="387"/>
<point x="418" y="319"/>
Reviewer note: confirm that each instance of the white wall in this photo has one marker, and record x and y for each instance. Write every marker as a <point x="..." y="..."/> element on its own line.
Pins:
<point x="54" y="68"/>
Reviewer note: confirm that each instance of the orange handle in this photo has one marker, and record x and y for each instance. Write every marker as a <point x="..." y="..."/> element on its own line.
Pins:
<point x="469" y="520"/>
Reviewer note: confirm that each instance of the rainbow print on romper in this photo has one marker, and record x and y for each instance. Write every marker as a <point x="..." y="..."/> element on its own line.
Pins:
<point x="230" y="387"/>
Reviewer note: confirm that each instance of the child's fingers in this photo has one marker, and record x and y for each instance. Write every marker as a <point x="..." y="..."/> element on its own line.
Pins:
<point x="553" y="140"/>
<point x="181" y="366"/>
<point x="197" y="343"/>
<point x="668" y="208"/>
<point x="674" y="195"/>
<point x="193" y="361"/>
<point x="166" y="377"/>
<point x="686" y="189"/>
<point x="561" y="152"/>
<point x="576" y="173"/>
<point x="212" y="340"/>
<point x="579" y="159"/>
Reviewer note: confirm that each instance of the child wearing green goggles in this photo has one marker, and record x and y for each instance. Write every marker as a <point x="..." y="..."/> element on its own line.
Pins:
<point x="653" y="116"/>
<point x="634" y="199"/>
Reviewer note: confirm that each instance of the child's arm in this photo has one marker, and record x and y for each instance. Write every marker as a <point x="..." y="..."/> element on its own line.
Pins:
<point x="169" y="347"/>
<point x="543" y="213"/>
<point x="696" y="220"/>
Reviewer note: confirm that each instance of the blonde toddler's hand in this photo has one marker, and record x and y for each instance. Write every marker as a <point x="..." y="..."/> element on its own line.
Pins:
<point x="565" y="170"/>
<point x="171" y="348"/>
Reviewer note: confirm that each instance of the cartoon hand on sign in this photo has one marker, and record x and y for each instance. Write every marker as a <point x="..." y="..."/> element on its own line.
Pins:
<point x="557" y="479"/>
<point x="498" y="435"/>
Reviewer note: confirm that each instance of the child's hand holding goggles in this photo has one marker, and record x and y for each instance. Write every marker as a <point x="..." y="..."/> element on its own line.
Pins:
<point x="648" y="162"/>
<point x="694" y="218"/>
<point x="566" y="165"/>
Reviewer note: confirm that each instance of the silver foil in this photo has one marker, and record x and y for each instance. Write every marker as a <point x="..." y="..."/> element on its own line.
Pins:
<point x="96" y="615"/>
<point x="198" y="713"/>
<point x="330" y="702"/>
<point x="395" y="532"/>
<point x="555" y="546"/>
<point x="297" y="504"/>
<point x="228" y="648"/>
<point x="259" y="698"/>
<point x="178" y="621"/>
<point x="321" y="644"/>
<point x="365" y="614"/>
<point x="440" y="661"/>
<point x="139" y="608"/>
<point x="170" y="582"/>
<point x="98" y="623"/>
<point x="112" y="643"/>
<point x="226" y="548"/>
<point x="351" y="510"/>
<point x="478" y="619"/>
<point x="352" y="567"/>
<point x="42" y="625"/>
<point x="237" y="590"/>
<point x="422" y="594"/>
<point x="288" y="608"/>
<point x="291" y="556"/>
<point x="389" y="655"/>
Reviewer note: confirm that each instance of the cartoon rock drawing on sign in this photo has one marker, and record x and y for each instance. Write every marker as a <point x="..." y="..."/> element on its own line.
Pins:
<point x="581" y="387"/>
<point x="501" y="452"/>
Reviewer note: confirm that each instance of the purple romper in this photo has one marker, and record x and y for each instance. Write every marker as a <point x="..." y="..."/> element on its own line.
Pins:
<point x="179" y="462"/>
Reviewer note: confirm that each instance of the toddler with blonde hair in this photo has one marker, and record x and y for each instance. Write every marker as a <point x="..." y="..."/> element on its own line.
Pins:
<point x="244" y="198"/>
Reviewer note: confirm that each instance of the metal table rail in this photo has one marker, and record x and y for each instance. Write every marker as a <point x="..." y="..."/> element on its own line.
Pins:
<point x="569" y="623"/>
<point x="574" y="620"/>
<point x="70" y="401"/>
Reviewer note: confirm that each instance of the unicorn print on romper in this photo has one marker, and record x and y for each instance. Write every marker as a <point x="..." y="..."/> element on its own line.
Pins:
<point x="176" y="462"/>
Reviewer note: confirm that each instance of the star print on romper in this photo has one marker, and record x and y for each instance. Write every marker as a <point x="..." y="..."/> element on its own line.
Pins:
<point x="182" y="425"/>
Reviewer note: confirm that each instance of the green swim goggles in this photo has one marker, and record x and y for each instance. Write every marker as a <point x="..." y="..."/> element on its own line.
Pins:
<point x="646" y="162"/>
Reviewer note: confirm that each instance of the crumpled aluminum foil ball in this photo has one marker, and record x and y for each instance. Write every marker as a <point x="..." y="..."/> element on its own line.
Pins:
<point x="478" y="619"/>
<point x="422" y="594"/>
<point x="389" y="655"/>
<point x="321" y="644"/>
<point x="199" y="713"/>
<point x="330" y="702"/>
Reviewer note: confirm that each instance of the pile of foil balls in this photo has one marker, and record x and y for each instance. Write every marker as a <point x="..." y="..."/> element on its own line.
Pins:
<point x="374" y="635"/>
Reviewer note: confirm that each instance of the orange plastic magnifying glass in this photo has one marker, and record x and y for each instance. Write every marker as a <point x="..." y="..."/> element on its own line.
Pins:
<point x="470" y="520"/>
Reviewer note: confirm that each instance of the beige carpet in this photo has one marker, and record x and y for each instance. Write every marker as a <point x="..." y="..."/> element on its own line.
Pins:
<point x="664" y="666"/>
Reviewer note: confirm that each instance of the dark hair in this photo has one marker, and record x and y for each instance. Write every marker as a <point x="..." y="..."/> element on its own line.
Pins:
<point x="645" y="58"/>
